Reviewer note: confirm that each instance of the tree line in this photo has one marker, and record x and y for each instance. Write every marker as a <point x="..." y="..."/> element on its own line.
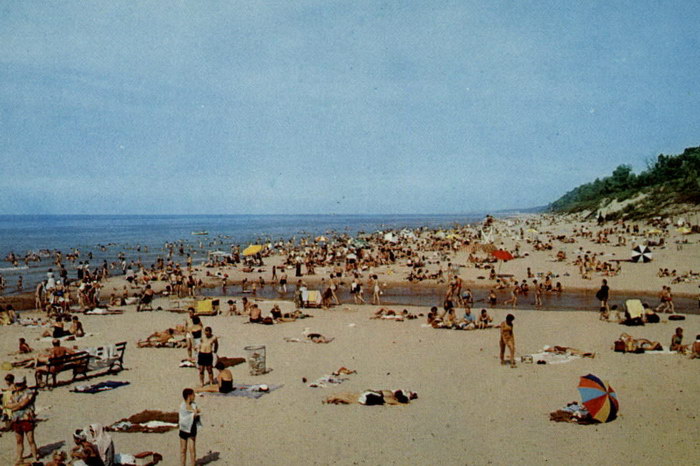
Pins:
<point x="671" y="177"/>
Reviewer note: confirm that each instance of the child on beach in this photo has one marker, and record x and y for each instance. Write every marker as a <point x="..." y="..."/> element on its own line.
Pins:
<point x="24" y="347"/>
<point x="188" y="421"/>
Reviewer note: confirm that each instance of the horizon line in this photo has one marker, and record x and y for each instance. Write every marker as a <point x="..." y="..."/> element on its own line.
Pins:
<point x="482" y="212"/>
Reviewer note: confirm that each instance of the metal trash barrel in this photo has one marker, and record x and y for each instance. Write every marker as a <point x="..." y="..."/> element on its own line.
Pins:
<point x="256" y="359"/>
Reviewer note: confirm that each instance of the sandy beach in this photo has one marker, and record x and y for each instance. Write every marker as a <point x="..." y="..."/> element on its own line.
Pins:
<point x="469" y="410"/>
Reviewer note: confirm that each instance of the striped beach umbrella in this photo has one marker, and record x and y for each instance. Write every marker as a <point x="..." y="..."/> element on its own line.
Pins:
<point x="641" y="254"/>
<point x="599" y="398"/>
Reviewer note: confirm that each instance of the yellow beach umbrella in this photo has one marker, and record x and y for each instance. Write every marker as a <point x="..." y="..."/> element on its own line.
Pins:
<point x="684" y="230"/>
<point x="252" y="250"/>
<point x="655" y="231"/>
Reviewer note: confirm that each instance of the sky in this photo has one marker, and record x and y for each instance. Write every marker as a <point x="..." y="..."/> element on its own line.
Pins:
<point x="330" y="107"/>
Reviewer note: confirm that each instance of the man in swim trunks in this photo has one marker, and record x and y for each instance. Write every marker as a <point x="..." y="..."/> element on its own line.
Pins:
<point x="205" y="355"/>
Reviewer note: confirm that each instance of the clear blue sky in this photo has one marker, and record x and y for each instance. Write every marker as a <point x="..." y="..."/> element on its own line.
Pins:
<point x="336" y="107"/>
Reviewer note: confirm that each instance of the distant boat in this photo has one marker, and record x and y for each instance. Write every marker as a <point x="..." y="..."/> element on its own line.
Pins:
<point x="200" y="233"/>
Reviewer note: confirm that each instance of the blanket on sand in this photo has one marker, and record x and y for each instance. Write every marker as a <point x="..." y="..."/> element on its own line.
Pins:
<point x="247" y="391"/>
<point x="99" y="387"/>
<point x="148" y="421"/>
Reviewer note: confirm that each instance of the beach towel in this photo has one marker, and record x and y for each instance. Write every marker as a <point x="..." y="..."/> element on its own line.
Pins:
<point x="556" y="357"/>
<point x="33" y="323"/>
<point x="99" y="311"/>
<point x="332" y="379"/>
<point x="66" y="337"/>
<point x="323" y="382"/>
<point x="99" y="387"/>
<point x="148" y="421"/>
<point x="247" y="391"/>
<point x="145" y="458"/>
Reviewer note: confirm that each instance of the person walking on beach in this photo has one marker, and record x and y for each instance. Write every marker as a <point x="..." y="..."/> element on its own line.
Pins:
<point x="507" y="338"/>
<point x="23" y="418"/>
<point x="356" y="289"/>
<point x="189" y="422"/>
<point x="513" y="300"/>
<point x="603" y="295"/>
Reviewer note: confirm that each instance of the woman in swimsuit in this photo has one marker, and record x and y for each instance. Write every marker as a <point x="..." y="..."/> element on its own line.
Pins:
<point x="224" y="381"/>
<point x="507" y="339"/>
<point x="59" y="330"/>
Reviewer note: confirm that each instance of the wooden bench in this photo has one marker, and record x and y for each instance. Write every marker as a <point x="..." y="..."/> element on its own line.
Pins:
<point x="118" y="362"/>
<point x="79" y="364"/>
<point x="75" y="362"/>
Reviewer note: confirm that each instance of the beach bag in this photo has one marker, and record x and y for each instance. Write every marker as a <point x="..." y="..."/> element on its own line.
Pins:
<point x="653" y="319"/>
<point x="619" y="346"/>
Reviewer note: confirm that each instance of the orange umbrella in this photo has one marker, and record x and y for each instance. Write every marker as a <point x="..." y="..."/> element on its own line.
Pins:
<point x="502" y="255"/>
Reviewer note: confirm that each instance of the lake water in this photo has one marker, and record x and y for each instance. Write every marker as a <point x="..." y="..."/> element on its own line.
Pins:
<point x="143" y="237"/>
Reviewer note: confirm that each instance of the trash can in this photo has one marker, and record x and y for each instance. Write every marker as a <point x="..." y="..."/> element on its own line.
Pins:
<point x="256" y="359"/>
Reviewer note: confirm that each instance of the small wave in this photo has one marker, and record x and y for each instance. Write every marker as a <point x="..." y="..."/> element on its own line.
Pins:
<point x="7" y="269"/>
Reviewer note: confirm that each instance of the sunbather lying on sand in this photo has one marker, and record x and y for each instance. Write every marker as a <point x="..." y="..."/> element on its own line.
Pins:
<point x="158" y="339"/>
<point x="310" y="337"/>
<point x="568" y="350"/>
<point x="632" y="344"/>
<point x="373" y="397"/>
<point x="344" y="371"/>
<point x="292" y="316"/>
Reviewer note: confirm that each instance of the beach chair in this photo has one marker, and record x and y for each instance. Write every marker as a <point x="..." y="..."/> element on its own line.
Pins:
<point x="206" y="307"/>
<point x="634" y="311"/>
<point x="312" y="298"/>
<point x="634" y="308"/>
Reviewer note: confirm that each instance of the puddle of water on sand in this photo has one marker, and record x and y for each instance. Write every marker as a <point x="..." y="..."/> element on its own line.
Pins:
<point x="433" y="295"/>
